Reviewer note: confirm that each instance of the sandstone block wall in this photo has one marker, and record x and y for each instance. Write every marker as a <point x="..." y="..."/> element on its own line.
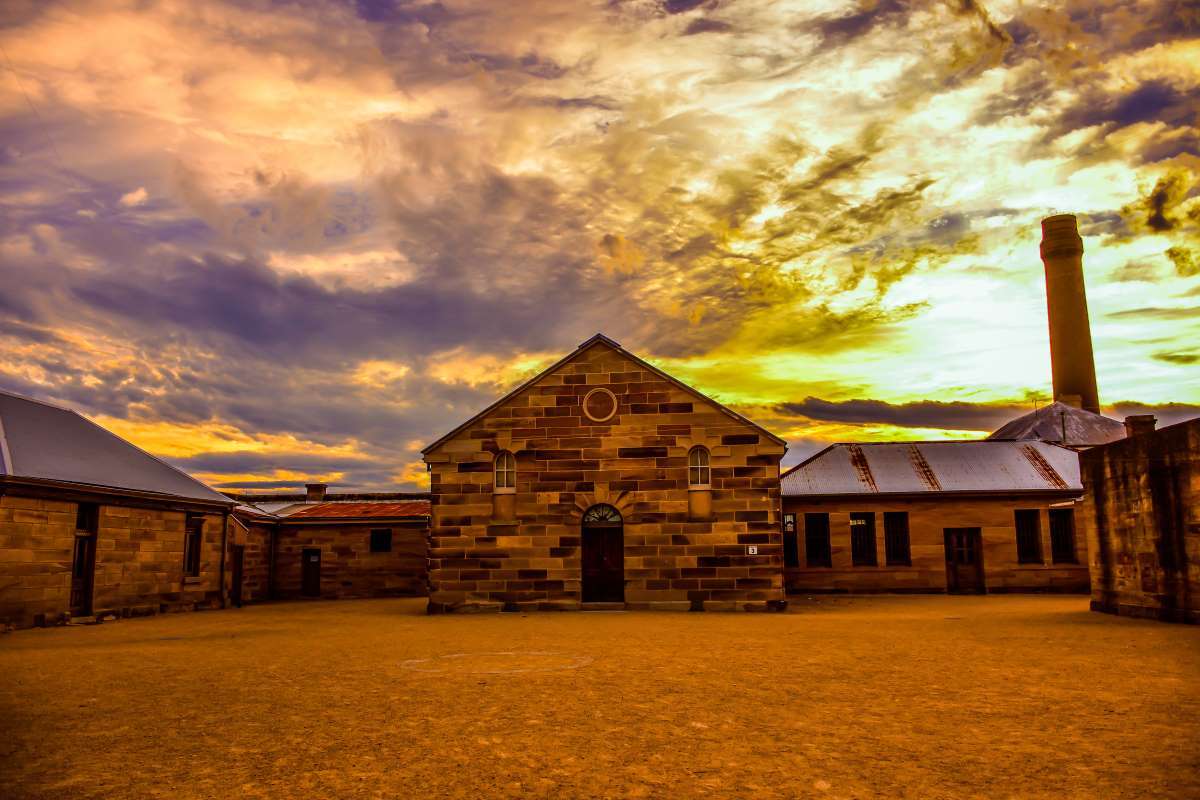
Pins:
<point x="1141" y="514"/>
<point x="139" y="560"/>
<point x="484" y="557"/>
<point x="927" y="520"/>
<point x="348" y="567"/>
<point x="256" y="560"/>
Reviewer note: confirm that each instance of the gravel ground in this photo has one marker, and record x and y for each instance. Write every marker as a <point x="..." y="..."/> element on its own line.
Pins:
<point x="840" y="697"/>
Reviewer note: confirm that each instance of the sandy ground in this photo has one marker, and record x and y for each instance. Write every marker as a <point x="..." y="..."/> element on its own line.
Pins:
<point x="993" y="697"/>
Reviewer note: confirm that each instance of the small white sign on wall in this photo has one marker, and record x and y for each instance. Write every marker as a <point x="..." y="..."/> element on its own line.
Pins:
<point x="752" y="549"/>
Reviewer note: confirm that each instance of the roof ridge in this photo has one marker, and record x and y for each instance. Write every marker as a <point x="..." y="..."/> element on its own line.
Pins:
<point x="171" y="467"/>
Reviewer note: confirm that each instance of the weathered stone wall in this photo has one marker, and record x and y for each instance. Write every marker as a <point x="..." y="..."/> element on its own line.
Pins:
<point x="348" y="567"/>
<point x="1141" y="514"/>
<point x="256" y="559"/>
<point x="485" y="557"/>
<point x="927" y="520"/>
<point x="139" y="560"/>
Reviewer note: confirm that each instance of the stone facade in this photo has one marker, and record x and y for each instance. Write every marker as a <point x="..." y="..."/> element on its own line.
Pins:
<point x="927" y="520"/>
<point x="139" y="564"/>
<point x="1141" y="515"/>
<point x="348" y="568"/>
<point x="522" y="548"/>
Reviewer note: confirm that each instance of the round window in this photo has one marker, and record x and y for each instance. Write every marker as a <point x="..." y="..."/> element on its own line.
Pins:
<point x="599" y="405"/>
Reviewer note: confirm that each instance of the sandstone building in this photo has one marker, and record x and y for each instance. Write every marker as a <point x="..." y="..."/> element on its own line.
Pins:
<point x="967" y="516"/>
<point x="604" y="482"/>
<point x="329" y="545"/>
<point x="1141" y="515"/>
<point x="91" y="525"/>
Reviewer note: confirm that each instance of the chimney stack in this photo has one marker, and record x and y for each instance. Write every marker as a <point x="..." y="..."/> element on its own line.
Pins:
<point x="315" y="492"/>
<point x="1139" y="425"/>
<point x="1071" y="359"/>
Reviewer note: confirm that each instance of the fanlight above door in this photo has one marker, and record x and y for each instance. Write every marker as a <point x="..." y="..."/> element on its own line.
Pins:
<point x="602" y="514"/>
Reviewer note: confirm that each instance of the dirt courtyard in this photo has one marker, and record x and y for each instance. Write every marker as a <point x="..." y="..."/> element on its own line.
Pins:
<point x="840" y="697"/>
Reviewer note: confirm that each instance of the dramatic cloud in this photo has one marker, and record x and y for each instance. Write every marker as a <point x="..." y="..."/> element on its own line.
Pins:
<point x="286" y="241"/>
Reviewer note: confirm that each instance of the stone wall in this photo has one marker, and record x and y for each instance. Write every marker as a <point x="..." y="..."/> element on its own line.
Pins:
<point x="139" y="560"/>
<point x="1141" y="514"/>
<point x="927" y="519"/>
<point x="348" y="567"/>
<point x="523" y="551"/>
<point x="255" y="537"/>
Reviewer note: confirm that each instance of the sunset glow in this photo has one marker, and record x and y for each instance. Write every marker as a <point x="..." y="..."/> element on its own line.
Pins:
<point x="282" y="242"/>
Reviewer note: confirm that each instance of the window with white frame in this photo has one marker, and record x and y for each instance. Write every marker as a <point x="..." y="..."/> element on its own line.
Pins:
<point x="506" y="472"/>
<point x="698" y="469"/>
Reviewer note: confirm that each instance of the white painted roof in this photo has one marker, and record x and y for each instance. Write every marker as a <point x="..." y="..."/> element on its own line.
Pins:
<point x="45" y="442"/>
<point x="934" y="468"/>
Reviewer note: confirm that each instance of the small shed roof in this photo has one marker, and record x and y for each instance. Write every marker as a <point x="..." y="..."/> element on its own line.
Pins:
<point x="45" y="442"/>
<point x="936" y="468"/>
<point x="1064" y="424"/>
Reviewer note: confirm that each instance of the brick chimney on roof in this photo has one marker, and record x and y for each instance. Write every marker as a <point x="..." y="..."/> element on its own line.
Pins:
<point x="315" y="492"/>
<point x="1139" y="425"/>
<point x="1071" y="359"/>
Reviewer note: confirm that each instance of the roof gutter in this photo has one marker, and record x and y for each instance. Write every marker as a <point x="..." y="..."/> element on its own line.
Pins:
<point x="990" y="493"/>
<point x="349" y="520"/>
<point x="110" y="491"/>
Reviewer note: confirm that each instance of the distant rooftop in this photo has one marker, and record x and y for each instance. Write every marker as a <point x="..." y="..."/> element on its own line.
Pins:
<point x="412" y="508"/>
<point x="1063" y="424"/>
<point x="45" y="442"/>
<point x="936" y="468"/>
<point x="336" y="505"/>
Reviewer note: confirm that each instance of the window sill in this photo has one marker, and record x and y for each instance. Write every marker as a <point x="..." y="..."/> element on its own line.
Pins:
<point x="192" y="580"/>
<point x="700" y="487"/>
<point x="505" y="490"/>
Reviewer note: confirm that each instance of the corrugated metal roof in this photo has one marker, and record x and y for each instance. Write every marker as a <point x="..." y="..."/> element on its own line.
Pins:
<point x="45" y="442"/>
<point x="1050" y="423"/>
<point x="412" y="508"/>
<point x="935" y="467"/>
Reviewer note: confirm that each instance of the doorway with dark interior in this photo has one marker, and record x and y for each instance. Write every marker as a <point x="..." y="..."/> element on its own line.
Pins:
<point x="603" y="556"/>
<point x="83" y="560"/>
<point x="964" y="561"/>
<point x="310" y="574"/>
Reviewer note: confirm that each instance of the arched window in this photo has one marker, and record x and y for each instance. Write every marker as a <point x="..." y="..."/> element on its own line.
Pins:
<point x="698" y="472"/>
<point x="506" y="471"/>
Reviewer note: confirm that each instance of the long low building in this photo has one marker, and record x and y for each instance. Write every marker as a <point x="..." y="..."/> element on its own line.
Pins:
<point x="91" y="525"/>
<point x="973" y="516"/>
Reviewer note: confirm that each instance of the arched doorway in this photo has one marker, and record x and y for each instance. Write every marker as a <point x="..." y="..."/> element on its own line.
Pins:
<point x="603" y="555"/>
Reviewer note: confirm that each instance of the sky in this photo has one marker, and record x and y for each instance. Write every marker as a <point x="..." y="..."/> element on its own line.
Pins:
<point x="281" y="242"/>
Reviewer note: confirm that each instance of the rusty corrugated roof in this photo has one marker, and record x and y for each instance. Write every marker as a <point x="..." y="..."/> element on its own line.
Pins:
<point x="412" y="508"/>
<point x="935" y="468"/>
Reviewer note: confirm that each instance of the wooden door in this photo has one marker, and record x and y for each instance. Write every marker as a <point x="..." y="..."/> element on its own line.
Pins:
<point x="239" y="560"/>
<point x="310" y="583"/>
<point x="603" y="556"/>
<point x="83" y="573"/>
<point x="964" y="561"/>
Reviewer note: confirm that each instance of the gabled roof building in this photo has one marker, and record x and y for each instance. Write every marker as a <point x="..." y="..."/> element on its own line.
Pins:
<point x="91" y="525"/>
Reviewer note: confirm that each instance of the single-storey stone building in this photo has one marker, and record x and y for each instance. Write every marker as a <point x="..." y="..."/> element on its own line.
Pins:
<point x="966" y="516"/>
<point x="603" y="482"/>
<point x="331" y="545"/>
<point x="90" y="525"/>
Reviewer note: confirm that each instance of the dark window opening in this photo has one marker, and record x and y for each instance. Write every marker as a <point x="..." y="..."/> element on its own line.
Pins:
<point x="381" y="540"/>
<point x="1062" y="535"/>
<point x="1029" y="536"/>
<point x="791" y="544"/>
<point x="816" y="540"/>
<point x="192" y="542"/>
<point x="862" y="539"/>
<point x="87" y="517"/>
<point x="895" y="538"/>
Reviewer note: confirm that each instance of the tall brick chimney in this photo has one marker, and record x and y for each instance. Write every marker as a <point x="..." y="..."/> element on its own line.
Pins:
<point x="315" y="492"/>
<point x="1139" y="425"/>
<point x="1071" y="359"/>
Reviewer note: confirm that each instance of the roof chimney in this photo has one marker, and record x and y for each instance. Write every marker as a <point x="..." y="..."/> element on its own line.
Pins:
<point x="1071" y="359"/>
<point x="1139" y="425"/>
<point x="315" y="492"/>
